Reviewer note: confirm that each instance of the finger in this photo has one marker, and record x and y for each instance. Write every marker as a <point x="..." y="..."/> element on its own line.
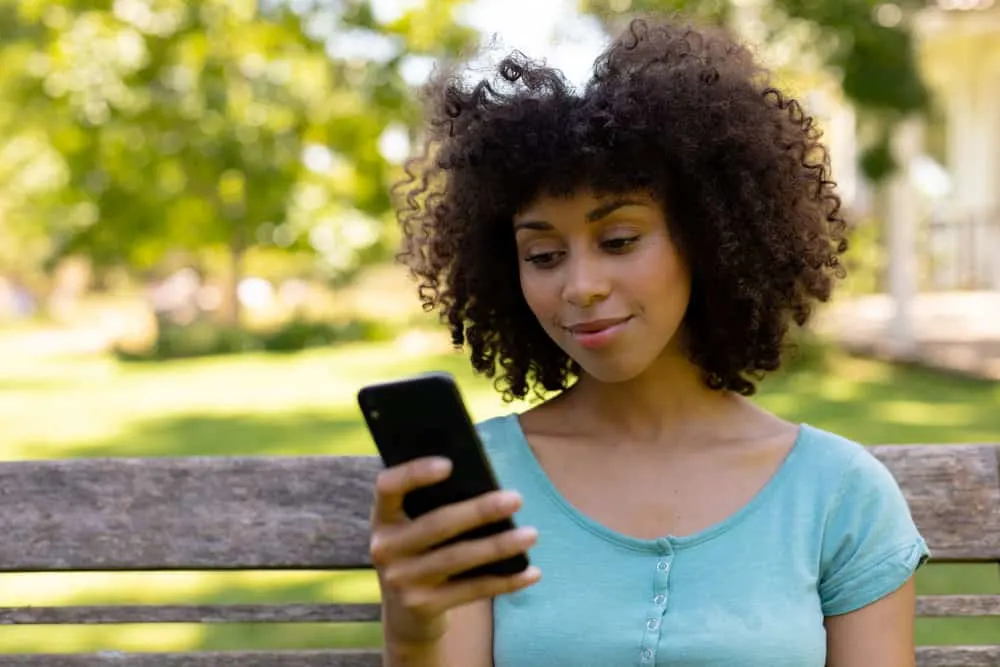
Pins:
<point x="434" y="600"/>
<point x="436" y="566"/>
<point x="392" y="484"/>
<point x="446" y="522"/>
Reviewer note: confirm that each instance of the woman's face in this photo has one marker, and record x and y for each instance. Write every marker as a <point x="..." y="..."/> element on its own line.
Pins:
<point x="604" y="279"/>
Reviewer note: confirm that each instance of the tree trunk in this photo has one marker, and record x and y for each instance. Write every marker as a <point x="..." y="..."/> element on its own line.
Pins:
<point x="229" y="310"/>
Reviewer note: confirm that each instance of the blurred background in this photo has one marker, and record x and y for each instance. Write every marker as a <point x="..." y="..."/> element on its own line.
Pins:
<point x="196" y="241"/>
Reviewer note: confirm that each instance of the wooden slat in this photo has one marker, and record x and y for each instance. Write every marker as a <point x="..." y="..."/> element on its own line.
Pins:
<point x="927" y="656"/>
<point x="927" y="606"/>
<point x="329" y="658"/>
<point x="958" y="605"/>
<point x="954" y="495"/>
<point x="186" y="513"/>
<point x="312" y="512"/>
<point x="236" y="613"/>
<point x="953" y="656"/>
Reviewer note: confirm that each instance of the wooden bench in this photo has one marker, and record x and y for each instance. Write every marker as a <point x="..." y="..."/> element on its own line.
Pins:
<point x="312" y="513"/>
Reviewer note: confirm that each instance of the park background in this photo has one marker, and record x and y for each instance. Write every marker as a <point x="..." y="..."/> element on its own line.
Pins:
<point x="196" y="243"/>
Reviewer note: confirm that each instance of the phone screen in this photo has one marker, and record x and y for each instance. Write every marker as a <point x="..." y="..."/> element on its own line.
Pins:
<point x="425" y="416"/>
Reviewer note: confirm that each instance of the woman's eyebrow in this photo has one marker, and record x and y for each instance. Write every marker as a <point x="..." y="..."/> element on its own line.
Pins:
<point x="605" y="210"/>
<point x="599" y="213"/>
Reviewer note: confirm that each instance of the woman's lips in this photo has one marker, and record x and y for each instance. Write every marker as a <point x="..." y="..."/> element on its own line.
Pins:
<point x="596" y="334"/>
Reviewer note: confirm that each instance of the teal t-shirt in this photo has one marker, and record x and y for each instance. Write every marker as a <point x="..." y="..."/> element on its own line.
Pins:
<point x="828" y="534"/>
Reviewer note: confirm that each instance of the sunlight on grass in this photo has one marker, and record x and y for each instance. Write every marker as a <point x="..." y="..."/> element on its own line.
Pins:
<point x="916" y="412"/>
<point x="859" y="370"/>
<point x="186" y="636"/>
<point x="47" y="414"/>
<point x="778" y="403"/>
<point x="182" y="588"/>
<point x="24" y="589"/>
<point x="85" y="639"/>
<point x="839" y="388"/>
<point x="304" y="404"/>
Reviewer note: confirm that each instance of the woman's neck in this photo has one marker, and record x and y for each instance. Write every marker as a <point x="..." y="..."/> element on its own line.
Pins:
<point x="668" y="401"/>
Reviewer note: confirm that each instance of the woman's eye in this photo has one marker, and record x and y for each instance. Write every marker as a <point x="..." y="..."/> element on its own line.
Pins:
<point x="542" y="259"/>
<point x="620" y="244"/>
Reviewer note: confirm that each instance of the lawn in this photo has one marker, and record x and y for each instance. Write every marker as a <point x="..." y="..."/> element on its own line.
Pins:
<point x="303" y="404"/>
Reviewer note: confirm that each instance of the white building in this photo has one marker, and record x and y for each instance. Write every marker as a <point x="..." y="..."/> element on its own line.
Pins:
<point x="942" y="211"/>
<point x="959" y="55"/>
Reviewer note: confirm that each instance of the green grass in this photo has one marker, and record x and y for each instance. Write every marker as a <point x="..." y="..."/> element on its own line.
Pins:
<point x="304" y="404"/>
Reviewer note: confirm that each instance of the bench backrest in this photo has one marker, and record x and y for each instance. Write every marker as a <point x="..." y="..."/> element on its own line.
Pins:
<point x="298" y="513"/>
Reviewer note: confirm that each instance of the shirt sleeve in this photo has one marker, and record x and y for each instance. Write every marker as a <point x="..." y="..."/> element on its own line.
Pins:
<point x="871" y="545"/>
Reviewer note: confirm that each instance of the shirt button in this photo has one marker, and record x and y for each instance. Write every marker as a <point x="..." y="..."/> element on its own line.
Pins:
<point x="660" y="600"/>
<point x="647" y="654"/>
<point x="662" y="566"/>
<point x="653" y="623"/>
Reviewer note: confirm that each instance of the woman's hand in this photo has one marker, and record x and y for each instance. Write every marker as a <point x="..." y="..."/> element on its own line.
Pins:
<point x="414" y="575"/>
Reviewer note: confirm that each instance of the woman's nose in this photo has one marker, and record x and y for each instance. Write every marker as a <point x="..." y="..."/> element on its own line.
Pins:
<point x="585" y="282"/>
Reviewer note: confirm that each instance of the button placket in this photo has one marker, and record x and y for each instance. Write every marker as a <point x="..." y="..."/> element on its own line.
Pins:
<point x="654" y="617"/>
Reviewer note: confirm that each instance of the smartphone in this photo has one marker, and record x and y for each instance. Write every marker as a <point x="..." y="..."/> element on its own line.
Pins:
<point x="425" y="415"/>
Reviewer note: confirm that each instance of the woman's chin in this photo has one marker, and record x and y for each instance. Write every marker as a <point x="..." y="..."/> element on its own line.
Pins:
<point x="613" y="371"/>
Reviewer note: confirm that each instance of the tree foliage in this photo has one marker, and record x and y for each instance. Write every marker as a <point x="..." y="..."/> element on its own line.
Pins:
<point x="130" y="128"/>
<point x="135" y="127"/>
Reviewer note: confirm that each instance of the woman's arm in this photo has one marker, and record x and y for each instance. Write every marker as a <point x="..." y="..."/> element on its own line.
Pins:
<point x="878" y="634"/>
<point x="468" y="642"/>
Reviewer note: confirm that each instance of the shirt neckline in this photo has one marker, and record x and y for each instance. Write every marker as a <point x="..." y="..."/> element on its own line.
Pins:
<point x="666" y="543"/>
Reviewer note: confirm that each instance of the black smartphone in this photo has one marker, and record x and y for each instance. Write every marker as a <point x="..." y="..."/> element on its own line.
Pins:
<point x="425" y="415"/>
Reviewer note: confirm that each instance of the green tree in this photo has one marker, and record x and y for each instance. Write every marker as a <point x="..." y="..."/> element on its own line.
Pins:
<point x="219" y="124"/>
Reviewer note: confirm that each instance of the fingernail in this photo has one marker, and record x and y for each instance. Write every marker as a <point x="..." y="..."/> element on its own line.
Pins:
<point x="510" y="500"/>
<point x="527" y="533"/>
<point x="532" y="572"/>
<point x="440" y="465"/>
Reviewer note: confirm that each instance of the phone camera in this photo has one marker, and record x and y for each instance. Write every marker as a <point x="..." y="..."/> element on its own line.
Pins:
<point x="374" y="414"/>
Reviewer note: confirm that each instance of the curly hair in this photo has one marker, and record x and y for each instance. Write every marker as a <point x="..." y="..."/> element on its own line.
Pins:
<point x="681" y="112"/>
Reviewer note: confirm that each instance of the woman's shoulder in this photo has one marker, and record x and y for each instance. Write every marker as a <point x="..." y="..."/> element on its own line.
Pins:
<point x="871" y="544"/>
<point x="494" y="431"/>
<point x="837" y="456"/>
<point x="844" y="475"/>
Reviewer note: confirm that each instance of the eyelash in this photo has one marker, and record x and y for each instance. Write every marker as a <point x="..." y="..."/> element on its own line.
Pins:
<point x="621" y="243"/>
<point x="617" y="245"/>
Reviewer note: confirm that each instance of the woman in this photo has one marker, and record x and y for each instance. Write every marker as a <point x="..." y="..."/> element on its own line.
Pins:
<point x="638" y="251"/>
